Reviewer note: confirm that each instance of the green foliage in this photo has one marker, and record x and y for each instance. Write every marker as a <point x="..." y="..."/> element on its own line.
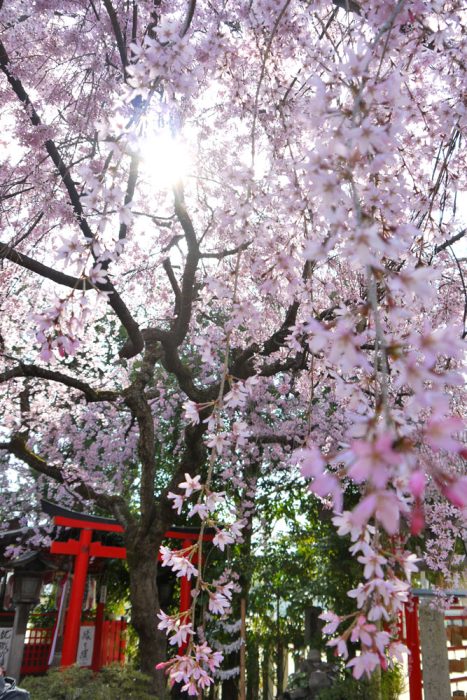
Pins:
<point x="300" y="564"/>
<point x="347" y="688"/>
<point x="112" y="683"/>
<point x="392" y="685"/>
<point x="297" y="680"/>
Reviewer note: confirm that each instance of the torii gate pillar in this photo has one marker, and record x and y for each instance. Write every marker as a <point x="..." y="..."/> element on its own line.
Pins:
<point x="73" y="619"/>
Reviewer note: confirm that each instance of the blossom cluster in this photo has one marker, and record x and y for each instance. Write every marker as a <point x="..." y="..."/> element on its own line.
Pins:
<point x="190" y="668"/>
<point x="194" y="671"/>
<point x="379" y="598"/>
<point x="58" y="326"/>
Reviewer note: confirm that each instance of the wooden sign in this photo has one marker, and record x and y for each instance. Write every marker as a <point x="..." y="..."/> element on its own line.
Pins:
<point x="6" y="634"/>
<point x="85" y="645"/>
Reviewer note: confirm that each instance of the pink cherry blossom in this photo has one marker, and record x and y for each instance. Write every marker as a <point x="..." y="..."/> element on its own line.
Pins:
<point x="218" y="603"/>
<point x="178" y="501"/>
<point x="456" y="491"/>
<point x="191" y="412"/>
<point x="332" y="622"/>
<point x="97" y="275"/>
<point x="373" y="461"/>
<point x="223" y="538"/>
<point x="439" y="430"/>
<point x="364" y="663"/>
<point x="385" y="507"/>
<point x="190" y="484"/>
<point x="373" y="562"/>
<point x="341" y="647"/>
<point x="417" y="483"/>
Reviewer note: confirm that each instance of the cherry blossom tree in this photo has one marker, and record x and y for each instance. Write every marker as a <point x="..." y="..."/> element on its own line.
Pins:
<point x="229" y="238"/>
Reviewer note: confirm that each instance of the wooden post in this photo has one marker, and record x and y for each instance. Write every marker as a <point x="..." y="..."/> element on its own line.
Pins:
<point x="242" y="689"/>
<point x="413" y="645"/>
<point x="73" y="619"/>
<point x="100" y="612"/>
<point x="185" y="597"/>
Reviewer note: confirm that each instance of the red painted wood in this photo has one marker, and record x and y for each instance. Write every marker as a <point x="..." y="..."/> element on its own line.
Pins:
<point x="37" y="650"/>
<point x="73" y="618"/>
<point x="100" y="550"/>
<point x="68" y="547"/>
<point x="188" y="537"/>
<point x="96" y="652"/>
<point x="413" y="645"/>
<point x="185" y="596"/>
<point x="113" y="641"/>
<point x="109" y="527"/>
<point x="86" y="525"/>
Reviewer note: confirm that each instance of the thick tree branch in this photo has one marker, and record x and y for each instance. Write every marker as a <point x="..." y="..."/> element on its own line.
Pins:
<point x="285" y="440"/>
<point x="188" y="18"/>
<point x="17" y="447"/>
<point x="82" y="284"/>
<point x="173" y="283"/>
<point x="189" y="273"/>
<point x="140" y="408"/>
<point x="450" y="241"/>
<point x="348" y="6"/>
<point x="117" y="33"/>
<point x="92" y="395"/>
<point x="276" y="341"/>
<point x="241" y="367"/>
<point x="292" y="363"/>
<point x="130" y="191"/>
<point x="172" y="363"/>
<point x="175" y="337"/>
<point x="225" y="253"/>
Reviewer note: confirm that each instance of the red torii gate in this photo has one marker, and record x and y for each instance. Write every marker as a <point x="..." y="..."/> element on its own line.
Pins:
<point x="83" y="549"/>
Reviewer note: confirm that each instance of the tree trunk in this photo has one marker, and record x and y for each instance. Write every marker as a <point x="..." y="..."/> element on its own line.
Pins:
<point x="280" y="665"/>
<point x="230" y="685"/>
<point x="279" y="651"/>
<point x="252" y="669"/>
<point x="265" y="672"/>
<point x="142" y="565"/>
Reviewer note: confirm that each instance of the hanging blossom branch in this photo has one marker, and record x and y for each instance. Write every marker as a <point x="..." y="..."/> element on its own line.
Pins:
<point x="195" y="669"/>
<point x="387" y="458"/>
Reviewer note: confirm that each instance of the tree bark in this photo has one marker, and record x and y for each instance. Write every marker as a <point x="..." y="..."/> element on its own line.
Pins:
<point x="279" y="651"/>
<point x="142" y="565"/>
<point x="252" y="669"/>
<point x="265" y="672"/>
<point x="230" y="685"/>
<point x="280" y="665"/>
